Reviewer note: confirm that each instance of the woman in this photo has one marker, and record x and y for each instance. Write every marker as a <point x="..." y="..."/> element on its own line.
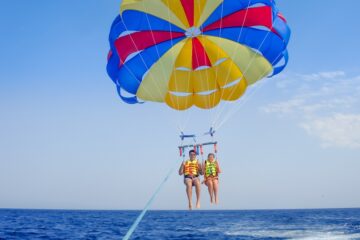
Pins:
<point x="211" y="172"/>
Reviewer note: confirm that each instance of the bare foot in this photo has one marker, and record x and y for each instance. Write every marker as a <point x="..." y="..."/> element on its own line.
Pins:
<point x="216" y="201"/>
<point x="198" y="205"/>
<point x="211" y="201"/>
<point x="190" y="206"/>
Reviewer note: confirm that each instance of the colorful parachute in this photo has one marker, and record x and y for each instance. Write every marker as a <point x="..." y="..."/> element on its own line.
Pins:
<point x="194" y="52"/>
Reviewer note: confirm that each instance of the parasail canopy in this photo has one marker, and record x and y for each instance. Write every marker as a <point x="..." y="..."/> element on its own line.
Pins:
<point x="195" y="52"/>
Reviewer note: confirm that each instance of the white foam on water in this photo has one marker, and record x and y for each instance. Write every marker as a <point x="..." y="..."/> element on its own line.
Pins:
<point x="295" y="234"/>
<point x="331" y="236"/>
<point x="307" y="231"/>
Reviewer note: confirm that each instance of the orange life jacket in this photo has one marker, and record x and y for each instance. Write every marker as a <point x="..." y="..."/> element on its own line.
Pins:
<point x="191" y="167"/>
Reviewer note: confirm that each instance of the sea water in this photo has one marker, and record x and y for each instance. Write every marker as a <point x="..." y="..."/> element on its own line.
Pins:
<point x="325" y="224"/>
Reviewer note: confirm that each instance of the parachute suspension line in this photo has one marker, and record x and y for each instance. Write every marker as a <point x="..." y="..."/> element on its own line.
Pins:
<point x="215" y="151"/>
<point x="182" y="123"/>
<point x="179" y="120"/>
<point x="132" y="73"/>
<point x="236" y="109"/>
<point x="248" y="66"/>
<point x="142" y="59"/>
<point x="187" y="119"/>
<point x="173" y="55"/>
<point x="208" y="101"/>
<point x="246" y="69"/>
<point x="153" y="38"/>
<point x="212" y="132"/>
<point x="197" y="147"/>
<point x="214" y="111"/>
<point x="156" y="45"/>
<point x="221" y="108"/>
<point x="202" y="154"/>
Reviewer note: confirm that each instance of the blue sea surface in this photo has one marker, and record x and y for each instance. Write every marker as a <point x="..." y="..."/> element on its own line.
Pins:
<point x="327" y="224"/>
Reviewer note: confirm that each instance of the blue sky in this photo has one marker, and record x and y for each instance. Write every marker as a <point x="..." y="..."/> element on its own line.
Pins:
<point x="67" y="141"/>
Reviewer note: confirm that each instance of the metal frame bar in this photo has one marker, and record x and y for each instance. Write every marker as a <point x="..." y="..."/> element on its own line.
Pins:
<point x="197" y="144"/>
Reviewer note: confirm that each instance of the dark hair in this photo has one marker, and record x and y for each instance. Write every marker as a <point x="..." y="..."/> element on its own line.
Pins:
<point x="211" y="154"/>
<point x="192" y="151"/>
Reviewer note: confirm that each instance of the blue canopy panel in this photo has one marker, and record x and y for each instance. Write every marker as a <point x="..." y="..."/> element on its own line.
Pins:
<point x="130" y="74"/>
<point x="132" y="20"/>
<point x="269" y="44"/>
<point x="282" y="29"/>
<point x="231" y="6"/>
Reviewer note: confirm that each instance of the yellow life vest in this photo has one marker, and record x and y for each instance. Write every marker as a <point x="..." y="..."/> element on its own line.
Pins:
<point x="210" y="169"/>
<point x="191" y="167"/>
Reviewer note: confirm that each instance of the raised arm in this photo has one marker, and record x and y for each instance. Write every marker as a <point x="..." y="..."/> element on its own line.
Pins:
<point x="201" y="172"/>
<point x="203" y="167"/>
<point x="218" y="167"/>
<point x="181" y="169"/>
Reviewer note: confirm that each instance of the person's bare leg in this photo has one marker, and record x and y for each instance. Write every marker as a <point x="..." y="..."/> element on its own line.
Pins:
<point x="216" y="190"/>
<point x="189" y="192"/>
<point x="197" y="188"/>
<point x="211" y="190"/>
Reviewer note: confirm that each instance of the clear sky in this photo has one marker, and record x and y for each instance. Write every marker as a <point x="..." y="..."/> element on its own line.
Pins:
<point x="67" y="141"/>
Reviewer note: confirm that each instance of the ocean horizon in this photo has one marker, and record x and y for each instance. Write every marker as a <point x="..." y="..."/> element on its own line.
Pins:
<point x="327" y="223"/>
<point x="182" y="209"/>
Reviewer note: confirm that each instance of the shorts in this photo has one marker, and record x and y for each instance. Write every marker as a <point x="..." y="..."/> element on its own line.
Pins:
<point x="193" y="179"/>
<point x="211" y="178"/>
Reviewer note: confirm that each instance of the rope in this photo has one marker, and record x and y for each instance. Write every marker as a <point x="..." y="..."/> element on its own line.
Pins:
<point x="148" y="204"/>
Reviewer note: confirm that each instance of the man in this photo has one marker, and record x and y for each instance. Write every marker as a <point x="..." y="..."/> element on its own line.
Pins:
<point x="191" y="169"/>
